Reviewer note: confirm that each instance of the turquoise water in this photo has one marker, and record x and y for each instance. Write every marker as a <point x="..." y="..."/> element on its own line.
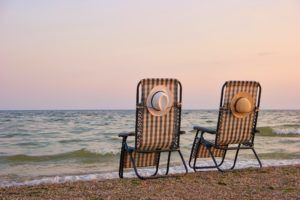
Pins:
<point x="36" y="144"/>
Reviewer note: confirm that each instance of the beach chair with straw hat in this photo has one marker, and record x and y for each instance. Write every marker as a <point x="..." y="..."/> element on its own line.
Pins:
<point x="157" y="127"/>
<point x="236" y="128"/>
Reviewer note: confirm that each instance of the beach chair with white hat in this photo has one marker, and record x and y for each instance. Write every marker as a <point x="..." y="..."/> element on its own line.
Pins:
<point x="157" y="127"/>
<point x="236" y="128"/>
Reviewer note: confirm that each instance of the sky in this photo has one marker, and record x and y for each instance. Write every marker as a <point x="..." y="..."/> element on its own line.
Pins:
<point x="91" y="54"/>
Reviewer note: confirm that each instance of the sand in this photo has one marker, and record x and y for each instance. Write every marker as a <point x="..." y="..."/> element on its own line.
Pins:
<point x="266" y="183"/>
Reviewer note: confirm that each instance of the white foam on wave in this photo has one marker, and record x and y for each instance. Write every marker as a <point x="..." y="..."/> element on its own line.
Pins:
<point x="285" y="131"/>
<point x="113" y="175"/>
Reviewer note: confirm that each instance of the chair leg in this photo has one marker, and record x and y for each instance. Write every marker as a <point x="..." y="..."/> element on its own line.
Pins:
<point x="121" y="166"/>
<point x="183" y="161"/>
<point x="194" y="165"/>
<point x="205" y="167"/>
<point x="168" y="163"/>
<point x="121" y="171"/>
<point x="190" y="161"/>
<point x="191" y="158"/>
<point x="157" y="166"/>
<point x="223" y="158"/>
<point x="153" y="176"/>
<point x="214" y="160"/>
<point x="195" y="145"/>
<point x="134" y="167"/>
<point x="235" y="158"/>
<point x="192" y="150"/>
<point x="259" y="162"/>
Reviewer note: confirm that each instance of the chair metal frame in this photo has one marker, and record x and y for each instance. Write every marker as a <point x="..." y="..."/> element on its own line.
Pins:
<point x="208" y="145"/>
<point x="128" y="149"/>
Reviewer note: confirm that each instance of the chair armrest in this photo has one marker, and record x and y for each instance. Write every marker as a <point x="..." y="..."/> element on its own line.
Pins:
<point x="203" y="129"/>
<point x="126" y="134"/>
<point x="181" y="132"/>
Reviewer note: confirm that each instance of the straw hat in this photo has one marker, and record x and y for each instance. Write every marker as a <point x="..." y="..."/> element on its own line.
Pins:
<point x="159" y="101"/>
<point x="241" y="104"/>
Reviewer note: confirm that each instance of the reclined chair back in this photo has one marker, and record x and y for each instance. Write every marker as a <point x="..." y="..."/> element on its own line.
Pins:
<point x="232" y="129"/>
<point x="157" y="133"/>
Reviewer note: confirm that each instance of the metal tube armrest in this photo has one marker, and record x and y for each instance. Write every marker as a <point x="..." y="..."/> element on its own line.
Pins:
<point x="203" y="129"/>
<point x="126" y="134"/>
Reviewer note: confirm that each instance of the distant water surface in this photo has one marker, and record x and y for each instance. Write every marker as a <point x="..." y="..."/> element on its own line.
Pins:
<point x="35" y="144"/>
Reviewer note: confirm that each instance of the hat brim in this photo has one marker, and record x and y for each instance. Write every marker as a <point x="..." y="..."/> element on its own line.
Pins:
<point x="149" y="99"/>
<point x="234" y="101"/>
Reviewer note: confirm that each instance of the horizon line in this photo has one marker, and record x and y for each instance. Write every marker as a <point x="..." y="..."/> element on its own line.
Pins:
<point x="132" y="109"/>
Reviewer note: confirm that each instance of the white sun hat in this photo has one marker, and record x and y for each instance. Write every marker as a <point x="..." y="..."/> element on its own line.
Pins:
<point x="159" y="101"/>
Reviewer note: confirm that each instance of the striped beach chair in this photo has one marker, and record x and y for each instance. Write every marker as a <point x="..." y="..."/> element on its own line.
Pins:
<point x="236" y="128"/>
<point x="155" y="132"/>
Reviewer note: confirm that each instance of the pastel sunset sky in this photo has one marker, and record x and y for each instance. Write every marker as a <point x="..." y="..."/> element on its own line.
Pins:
<point x="91" y="54"/>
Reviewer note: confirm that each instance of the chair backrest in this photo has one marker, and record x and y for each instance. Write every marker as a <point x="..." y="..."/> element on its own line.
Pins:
<point x="157" y="132"/>
<point x="233" y="130"/>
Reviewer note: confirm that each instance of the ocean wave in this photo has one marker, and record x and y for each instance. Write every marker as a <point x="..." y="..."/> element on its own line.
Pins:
<point x="70" y="141"/>
<point x="12" y="135"/>
<point x="130" y="174"/>
<point x="288" y="129"/>
<point x="81" y="155"/>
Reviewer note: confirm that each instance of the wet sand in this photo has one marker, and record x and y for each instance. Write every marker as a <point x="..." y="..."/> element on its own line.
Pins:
<point x="265" y="183"/>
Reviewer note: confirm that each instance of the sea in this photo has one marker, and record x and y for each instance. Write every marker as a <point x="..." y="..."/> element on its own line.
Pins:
<point x="55" y="146"/>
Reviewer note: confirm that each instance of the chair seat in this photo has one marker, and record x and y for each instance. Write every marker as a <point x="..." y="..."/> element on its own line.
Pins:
<point x="203" y="151"/>
<point x="141" y="159"/>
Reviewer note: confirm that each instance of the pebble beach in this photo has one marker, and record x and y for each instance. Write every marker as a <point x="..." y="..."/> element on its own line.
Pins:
<point x="251" y="183"/>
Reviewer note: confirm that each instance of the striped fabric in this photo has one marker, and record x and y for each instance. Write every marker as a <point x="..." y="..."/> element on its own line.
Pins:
<point x="157" y="132"/>
<point x="204" y="153"/>
<point x="232" y="130"/>
<point x="141" y="159"/>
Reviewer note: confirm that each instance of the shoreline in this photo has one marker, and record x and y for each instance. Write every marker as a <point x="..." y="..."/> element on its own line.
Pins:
<point x="109" y="175"/>
<point x="270" y="182"/>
